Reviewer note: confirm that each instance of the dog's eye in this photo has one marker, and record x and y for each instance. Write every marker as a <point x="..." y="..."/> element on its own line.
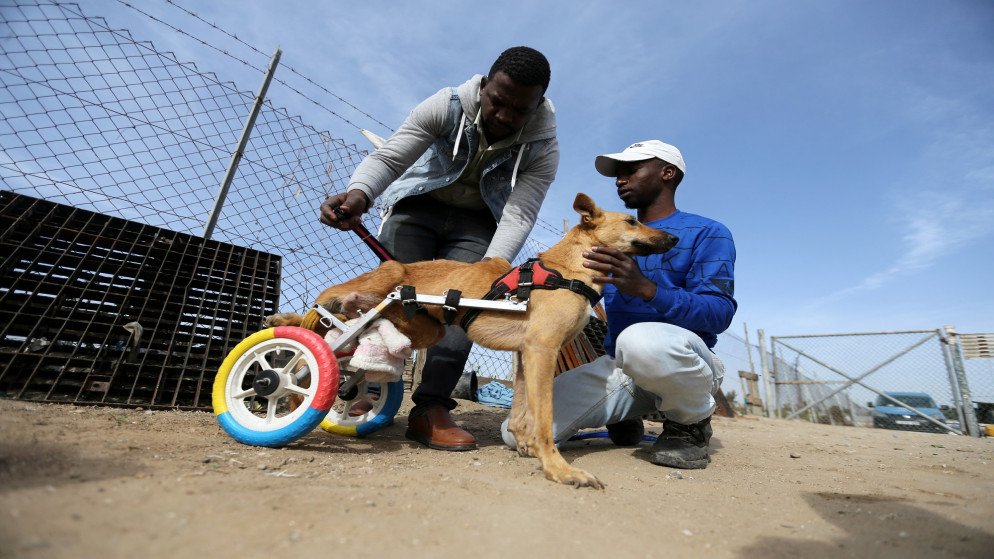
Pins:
<point x="631" y="222"/>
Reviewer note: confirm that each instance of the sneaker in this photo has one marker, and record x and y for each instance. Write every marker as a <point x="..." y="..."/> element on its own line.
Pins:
<point x="682" y="446"/>
<point x="628" y="432"/>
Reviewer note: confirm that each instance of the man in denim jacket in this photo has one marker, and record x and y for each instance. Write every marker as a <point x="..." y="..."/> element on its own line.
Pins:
<point x="462" y="179"/>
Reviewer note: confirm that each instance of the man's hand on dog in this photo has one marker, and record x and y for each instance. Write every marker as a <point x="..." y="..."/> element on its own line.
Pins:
<point x="621" y="270"/>
<point x="344" y="211"/>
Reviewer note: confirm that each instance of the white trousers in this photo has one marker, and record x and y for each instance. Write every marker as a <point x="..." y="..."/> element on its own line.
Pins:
<point x="657" y="367"/>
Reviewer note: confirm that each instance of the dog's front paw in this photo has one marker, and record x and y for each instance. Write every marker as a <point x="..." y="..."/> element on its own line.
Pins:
<point x="575" y="477"/>
<point x="282" y="319"/>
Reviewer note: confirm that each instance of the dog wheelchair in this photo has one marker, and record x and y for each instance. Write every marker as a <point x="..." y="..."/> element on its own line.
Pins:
<point x="264" y="376"/>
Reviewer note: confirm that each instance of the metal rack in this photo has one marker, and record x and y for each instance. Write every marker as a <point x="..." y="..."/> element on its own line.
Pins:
<point x="99" y="309"/>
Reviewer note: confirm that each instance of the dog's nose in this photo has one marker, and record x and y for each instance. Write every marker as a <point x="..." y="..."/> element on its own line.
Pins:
<point x="672" y="239"/>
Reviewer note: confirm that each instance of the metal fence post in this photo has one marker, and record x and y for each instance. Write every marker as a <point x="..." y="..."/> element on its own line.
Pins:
<point x="953" y="385"/>
<point x="771" y="399"/>
<point x="242" y="142"/>
<point x="969" y="414"/>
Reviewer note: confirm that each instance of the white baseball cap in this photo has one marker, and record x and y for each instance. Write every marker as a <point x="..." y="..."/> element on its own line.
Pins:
<point x="607" y="164"/>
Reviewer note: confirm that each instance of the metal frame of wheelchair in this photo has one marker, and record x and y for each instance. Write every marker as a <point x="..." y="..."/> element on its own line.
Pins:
<point x="264" y="376"/>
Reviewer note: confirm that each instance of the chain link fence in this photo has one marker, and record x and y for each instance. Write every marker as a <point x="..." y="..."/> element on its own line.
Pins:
<point x="95" y="119"/>
<point x="911" y="380"/>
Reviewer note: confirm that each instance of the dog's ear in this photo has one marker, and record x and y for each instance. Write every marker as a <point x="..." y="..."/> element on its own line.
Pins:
<point x="587" y="209"/>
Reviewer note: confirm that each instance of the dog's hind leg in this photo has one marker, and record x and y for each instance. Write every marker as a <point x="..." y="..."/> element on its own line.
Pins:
<point x="283" y="319"/>
<point x="539" y="362"/>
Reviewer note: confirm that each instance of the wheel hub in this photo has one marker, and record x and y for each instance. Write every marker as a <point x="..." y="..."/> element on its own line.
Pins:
<point x="266" y="383"/>
<point x="349" y="394"/>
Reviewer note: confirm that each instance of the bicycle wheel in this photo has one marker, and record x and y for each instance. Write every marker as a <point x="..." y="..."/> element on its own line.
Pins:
<point x="384" y="398"/>
<point x="275" y="386"/>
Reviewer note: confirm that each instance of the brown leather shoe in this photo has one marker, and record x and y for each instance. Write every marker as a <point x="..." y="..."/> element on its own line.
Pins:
<point x="437" y="430"/>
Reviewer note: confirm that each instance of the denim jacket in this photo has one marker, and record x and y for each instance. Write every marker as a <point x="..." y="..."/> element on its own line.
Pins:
<point x="418" y="158"/>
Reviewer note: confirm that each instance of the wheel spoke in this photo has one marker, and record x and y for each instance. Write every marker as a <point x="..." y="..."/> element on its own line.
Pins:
<point x="292" y="363"/>
<point x="244" y="394"/>
<point x="300" y="390"/>
<point x="271" y="405"/>
<point x="259" y="357"/>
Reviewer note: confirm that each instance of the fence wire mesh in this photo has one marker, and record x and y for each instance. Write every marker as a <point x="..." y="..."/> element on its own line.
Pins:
<point x="96" y="119"/>
<point x="862" y="379"/>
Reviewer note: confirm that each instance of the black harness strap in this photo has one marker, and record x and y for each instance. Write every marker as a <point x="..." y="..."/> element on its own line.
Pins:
<point x="525" y="277"/>
<point x="409" y="298"/>
<point x="576" y="286"/>
<point x="451" y="307"/>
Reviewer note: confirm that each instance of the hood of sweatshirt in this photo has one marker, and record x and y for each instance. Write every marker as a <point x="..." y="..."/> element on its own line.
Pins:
<point x="541" y="126"/>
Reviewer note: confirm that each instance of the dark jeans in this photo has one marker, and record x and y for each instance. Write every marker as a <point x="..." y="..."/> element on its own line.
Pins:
<point x="421" y="228"/>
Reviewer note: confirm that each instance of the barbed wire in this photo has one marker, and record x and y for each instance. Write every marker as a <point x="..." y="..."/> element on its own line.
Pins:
<point x="539" y="222"/>
<point x="96" y="120"/>
<point x="291" y="68"/>
<point x="128" y="130"/>
<point x="250" y="65"/>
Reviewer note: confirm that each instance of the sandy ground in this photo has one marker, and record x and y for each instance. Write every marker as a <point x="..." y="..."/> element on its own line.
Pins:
<point x="106" y="482"/>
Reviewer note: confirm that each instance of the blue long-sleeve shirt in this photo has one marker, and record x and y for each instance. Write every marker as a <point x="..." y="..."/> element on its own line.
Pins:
<point x="694" y="280"/>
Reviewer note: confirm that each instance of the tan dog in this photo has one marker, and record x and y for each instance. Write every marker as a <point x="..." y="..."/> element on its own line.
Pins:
<point x="553" y="317"/>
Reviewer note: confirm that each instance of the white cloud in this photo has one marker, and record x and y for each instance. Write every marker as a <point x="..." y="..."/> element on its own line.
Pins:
<point x="936" y="225"/>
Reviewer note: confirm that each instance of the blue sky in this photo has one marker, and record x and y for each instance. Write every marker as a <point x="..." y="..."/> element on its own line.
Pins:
<point x="848" y="145"/>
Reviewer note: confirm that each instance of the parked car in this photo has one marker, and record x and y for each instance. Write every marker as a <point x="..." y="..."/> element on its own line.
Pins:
<point x="889" y="415"/>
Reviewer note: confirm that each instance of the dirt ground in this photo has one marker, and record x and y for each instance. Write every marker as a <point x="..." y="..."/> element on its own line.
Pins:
<point x="109" y="482"/>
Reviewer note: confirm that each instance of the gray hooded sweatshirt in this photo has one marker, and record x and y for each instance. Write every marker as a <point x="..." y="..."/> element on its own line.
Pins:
<point x="436" y="142"/>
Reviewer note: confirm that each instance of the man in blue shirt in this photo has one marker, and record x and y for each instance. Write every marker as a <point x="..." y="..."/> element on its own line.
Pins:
<point x="664" y="313"/>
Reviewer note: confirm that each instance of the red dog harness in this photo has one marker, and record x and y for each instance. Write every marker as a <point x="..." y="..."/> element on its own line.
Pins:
<point x="519" y="282"/>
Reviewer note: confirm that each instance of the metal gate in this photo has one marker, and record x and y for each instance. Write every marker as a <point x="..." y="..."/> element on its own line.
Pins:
<point x="912" y="380"/>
